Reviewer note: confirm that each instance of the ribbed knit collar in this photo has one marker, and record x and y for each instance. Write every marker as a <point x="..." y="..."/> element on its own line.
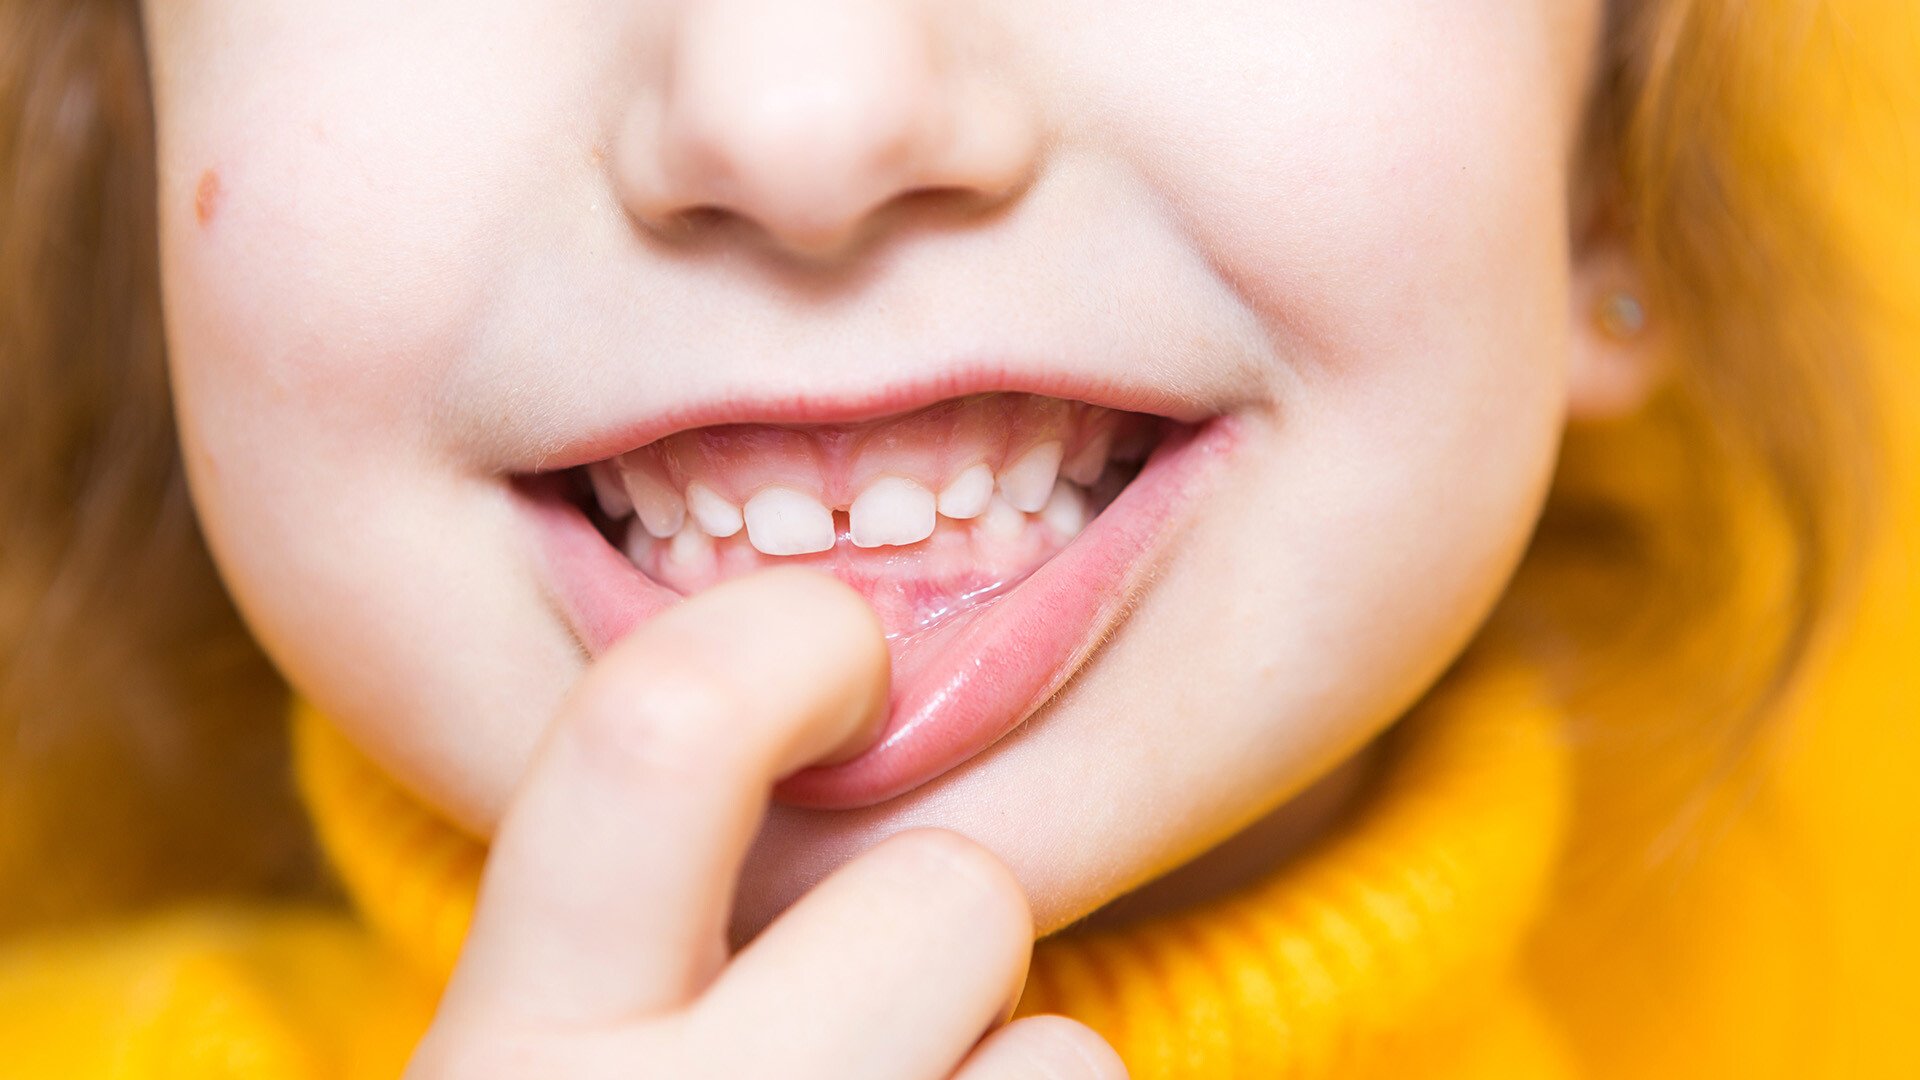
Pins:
<point x="1324" y="965"/>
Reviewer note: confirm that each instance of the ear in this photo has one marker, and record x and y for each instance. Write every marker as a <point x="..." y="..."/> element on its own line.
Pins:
<point x="1617" y="358"/>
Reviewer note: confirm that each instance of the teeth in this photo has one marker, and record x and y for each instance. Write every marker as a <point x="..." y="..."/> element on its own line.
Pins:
<point x="967" y="496"/>
<point x="892" y="511"/>
<point x="690" y="547"/>
<point x="1087" y="465"/>
<point x="608" y="489"/>
<point x="717" y="516"/>
<point x="1002" y="520"/>
<point x="661" y="509"/>
<point x="782" y="521"/>
<point x="1038" y="486"/>
<point x="1028" y="482"/>
<point x="639" y="546"/>
<point x="1066" y="510"/>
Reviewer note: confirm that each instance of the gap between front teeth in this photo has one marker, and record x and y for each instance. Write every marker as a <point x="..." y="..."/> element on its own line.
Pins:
<point x="891" y="511"/>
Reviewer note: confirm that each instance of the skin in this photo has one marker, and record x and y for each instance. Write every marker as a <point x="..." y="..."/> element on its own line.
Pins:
<point x="401" y="266"/>
<point x="608" y="954"/>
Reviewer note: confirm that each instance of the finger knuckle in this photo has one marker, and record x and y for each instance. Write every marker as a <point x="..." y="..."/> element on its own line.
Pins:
<point x="659" y="723"/>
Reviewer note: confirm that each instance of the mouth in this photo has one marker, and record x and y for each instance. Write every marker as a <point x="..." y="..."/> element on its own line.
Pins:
<point x="1000" y="537"/>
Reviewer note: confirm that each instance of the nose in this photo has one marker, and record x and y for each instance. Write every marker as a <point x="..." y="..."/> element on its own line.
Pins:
<point x="809" y="118"/>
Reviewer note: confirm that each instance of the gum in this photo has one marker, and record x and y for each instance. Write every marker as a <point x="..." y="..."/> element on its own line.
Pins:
<point x="835" y="462"/>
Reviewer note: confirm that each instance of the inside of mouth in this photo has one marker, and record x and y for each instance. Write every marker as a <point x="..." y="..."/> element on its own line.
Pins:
<point x="931" y="514"/>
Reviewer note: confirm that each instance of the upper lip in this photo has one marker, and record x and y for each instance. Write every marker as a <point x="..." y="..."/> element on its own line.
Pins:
<point x="1120" y="391"/>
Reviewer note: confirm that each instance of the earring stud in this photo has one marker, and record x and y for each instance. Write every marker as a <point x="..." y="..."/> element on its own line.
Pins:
<point x="1621" y="314"/>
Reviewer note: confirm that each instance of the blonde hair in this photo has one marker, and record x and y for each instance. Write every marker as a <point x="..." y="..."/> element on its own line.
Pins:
<point x="1693" y="554"/>
<point x="142" y="752"/>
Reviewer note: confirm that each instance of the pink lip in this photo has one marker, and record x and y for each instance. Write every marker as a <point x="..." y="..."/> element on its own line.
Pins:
<point x="962" y="686"/>
<point x="1118" y="393"/>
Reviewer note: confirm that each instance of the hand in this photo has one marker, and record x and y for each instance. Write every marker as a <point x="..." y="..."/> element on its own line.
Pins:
<point x="598" y="946"/>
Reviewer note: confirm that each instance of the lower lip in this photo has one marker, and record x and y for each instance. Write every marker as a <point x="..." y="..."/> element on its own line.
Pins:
<point x="968" y="682"/>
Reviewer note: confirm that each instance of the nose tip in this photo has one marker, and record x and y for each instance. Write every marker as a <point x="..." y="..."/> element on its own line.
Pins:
<point x="808" y="119"/>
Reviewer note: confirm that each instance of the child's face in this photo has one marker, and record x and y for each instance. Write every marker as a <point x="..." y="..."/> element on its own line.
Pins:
<point x="416" y="254"/>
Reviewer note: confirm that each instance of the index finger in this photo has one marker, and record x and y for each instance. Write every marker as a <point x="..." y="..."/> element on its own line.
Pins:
<point x="607" y="890"/>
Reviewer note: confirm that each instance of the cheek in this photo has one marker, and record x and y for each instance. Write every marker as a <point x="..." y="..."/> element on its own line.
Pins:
<point x="1397" y="216"/>
<point x="1370" y="191"/>
<point x="332" y="225"/>
<point x="312" y="322"/>
<point x="338" y="207"/>
<point x="1405" y="240"/>
<point x="310" y="294"/>
<point x="331" y="219"/>
<point x="1391" y="198"/>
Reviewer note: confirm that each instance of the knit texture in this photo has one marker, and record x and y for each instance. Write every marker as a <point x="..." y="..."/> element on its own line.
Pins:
<point x="1403" y="918"/>
<point x="1451" y="926"/>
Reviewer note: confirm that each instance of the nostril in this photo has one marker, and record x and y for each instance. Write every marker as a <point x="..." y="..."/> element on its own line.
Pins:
<point x="706" y="224"/>
<point x="933" y="205"/>
<point x="691" y="221"/>
<point x="948" y="200"/>
<point x="812" y="122"/>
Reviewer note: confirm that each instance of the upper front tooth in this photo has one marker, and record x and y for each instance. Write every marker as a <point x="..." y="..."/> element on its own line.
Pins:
<point x="608" y="489"/>
<point x="968" y="494"/>
<point x="661" y="508"/>
<point x="717" y="516"/>
<point x="891" y="511"/>
<point x="782" y="521"/>
<point x="1029" y="481"/>
<point x="1090" y="461"/>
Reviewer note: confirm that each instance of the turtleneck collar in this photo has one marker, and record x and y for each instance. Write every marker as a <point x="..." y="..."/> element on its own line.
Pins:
<point x="1427" y="888"/>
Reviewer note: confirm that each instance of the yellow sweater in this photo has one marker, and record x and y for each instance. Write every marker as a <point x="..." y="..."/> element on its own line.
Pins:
<point x="1419" y="939"/>
<point x="1438" y="932"/>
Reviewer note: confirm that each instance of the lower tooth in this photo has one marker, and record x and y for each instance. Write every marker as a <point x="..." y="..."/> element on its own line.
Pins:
<point x="640" y="545"/>
<point x="690" y="547"/>
<point x="1002" y="521"/>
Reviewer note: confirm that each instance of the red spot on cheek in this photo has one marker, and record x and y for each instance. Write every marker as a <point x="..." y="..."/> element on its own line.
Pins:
<point x="206" y="196"/>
